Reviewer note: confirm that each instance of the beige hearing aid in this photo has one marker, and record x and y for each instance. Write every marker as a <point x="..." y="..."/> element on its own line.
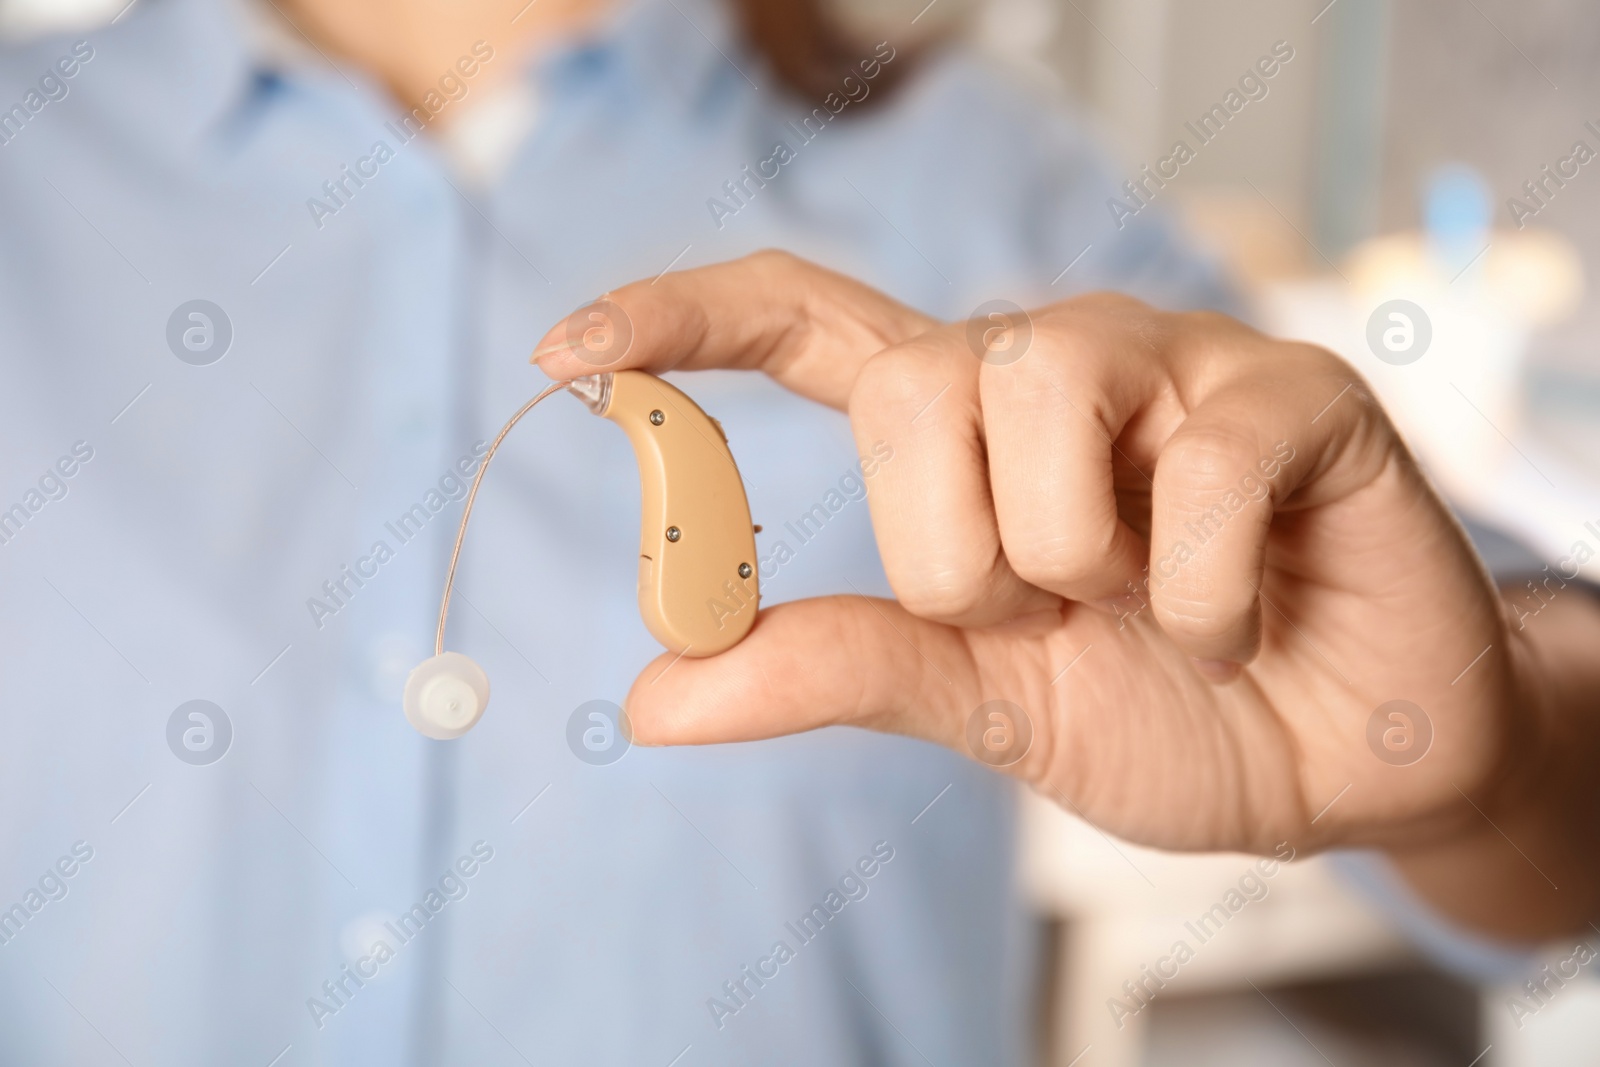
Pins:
<point x="698" y="584"/>
<point x="697" y="548"/>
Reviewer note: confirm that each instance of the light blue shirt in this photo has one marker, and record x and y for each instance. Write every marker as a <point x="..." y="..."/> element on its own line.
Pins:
<point x="182" y="519"/>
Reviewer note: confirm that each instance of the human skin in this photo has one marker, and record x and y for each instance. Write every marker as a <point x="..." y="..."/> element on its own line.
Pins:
<point x="408" y="44"/>
<point x="1226" y="703"/>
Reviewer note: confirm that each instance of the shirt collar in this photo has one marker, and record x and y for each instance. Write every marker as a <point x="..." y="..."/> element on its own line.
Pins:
<point x="192" y="64"/>
<point x="218" y="58"/>
<point x="677" y="50"/>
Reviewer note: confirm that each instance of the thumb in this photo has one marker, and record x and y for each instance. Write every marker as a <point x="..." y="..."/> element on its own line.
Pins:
<point x="838" y="660"/>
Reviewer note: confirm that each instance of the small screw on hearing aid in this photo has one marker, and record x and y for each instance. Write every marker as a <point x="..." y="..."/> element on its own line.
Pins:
<point x="673" y="533"/>
<point x="744" y="570"/>
<point x="657" y="418"/>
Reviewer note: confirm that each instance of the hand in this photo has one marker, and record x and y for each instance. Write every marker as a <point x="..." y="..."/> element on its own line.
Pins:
<point x="1197" y="558"/>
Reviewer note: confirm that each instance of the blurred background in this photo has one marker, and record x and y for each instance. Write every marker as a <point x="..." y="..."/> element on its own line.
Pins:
<point x="1390" y="160"/>
<point x="1380" y="166"/>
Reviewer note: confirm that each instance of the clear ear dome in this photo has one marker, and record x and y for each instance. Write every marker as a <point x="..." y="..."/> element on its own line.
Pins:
<point x="446" y="695"/>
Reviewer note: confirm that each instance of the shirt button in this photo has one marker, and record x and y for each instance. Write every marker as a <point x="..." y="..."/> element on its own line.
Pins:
<point x="390" y="659"/>
<point x="357" y="936"/>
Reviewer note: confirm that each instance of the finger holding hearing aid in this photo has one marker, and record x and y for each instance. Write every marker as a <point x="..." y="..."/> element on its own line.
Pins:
<point x="1189" y="558"/>
<point x="806" y="327"/>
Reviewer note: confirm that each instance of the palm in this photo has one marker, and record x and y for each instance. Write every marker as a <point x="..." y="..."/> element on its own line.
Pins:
<point x="1367" y="599"/>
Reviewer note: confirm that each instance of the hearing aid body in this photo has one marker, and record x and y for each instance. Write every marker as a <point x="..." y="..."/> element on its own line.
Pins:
<point x="698" y="586"/>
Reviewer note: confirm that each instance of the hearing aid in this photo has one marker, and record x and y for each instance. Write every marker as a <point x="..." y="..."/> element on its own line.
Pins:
<point x="698" y="585"/>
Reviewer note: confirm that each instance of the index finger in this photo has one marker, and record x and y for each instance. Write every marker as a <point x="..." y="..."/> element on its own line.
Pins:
<point x="809" y="328"/>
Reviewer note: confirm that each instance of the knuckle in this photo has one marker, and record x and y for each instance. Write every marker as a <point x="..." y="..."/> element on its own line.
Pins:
<point x="1059" y="562"/>
<point x="946" y="587"/>
<point x="1323" y="360"/>
<point x="1064" y="333"/>
<point x="1212" y="457"/>
<point x="1211" y="323"/>
<point x="1083" y="319"/>
<point x="893" y="381"/>
<point x="774" y="260"/>
<point x="944" y="593"/>
<point x="1027" y="384"/>
<point x="1105" y="302"/>
<point x="1067" y="578"/>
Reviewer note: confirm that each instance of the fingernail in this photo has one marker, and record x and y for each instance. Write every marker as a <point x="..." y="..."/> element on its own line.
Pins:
<point x="550" y="350"/>
<point x="1217" y="671"/>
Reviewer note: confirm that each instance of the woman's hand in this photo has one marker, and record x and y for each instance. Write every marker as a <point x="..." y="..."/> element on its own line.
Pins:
<point x="1197" y="559"/>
